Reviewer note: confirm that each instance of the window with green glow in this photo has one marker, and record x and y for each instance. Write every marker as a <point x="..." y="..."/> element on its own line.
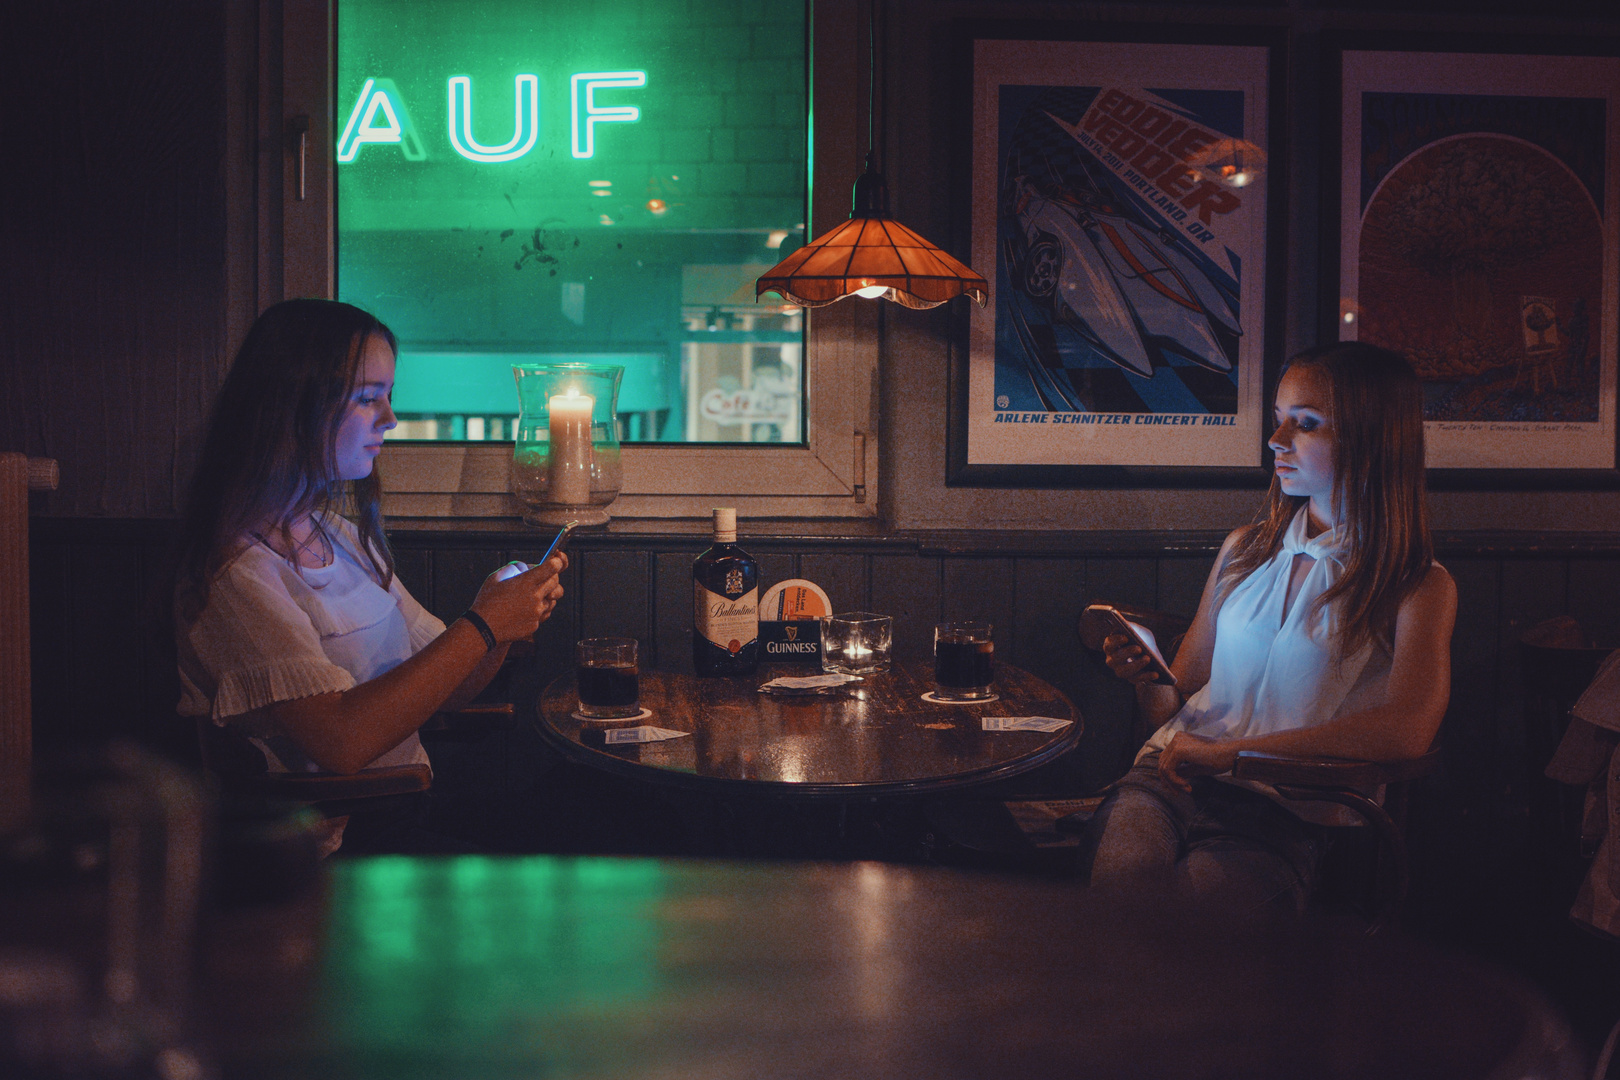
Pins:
<point x="520" y="182"/>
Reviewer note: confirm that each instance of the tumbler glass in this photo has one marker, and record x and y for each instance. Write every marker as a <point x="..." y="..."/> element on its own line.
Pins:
<point x="605" y="672"/>
<point x="962" y="655"/>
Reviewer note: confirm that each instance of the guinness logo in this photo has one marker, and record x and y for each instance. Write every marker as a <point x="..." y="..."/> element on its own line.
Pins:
<point x="792" y="632"/>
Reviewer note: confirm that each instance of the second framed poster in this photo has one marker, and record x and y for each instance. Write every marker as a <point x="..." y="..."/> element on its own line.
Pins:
<point x="1120" y="213"/>
<point x="1478" y="236"/>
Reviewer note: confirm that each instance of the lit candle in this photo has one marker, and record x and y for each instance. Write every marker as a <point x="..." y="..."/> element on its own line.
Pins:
<point x="570" y="468"/>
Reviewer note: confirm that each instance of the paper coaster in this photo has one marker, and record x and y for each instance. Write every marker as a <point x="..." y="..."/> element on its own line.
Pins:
<point x="929" y="697"/>
<point x="642" y="715"/>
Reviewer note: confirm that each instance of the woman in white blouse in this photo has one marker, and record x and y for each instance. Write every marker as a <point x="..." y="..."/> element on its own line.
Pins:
<point x="290" y="623"/>
<point x="1324" y="629"/>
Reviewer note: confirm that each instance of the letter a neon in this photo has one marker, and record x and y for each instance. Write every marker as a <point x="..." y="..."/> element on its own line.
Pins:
<point x="526" y="125"/>
<point x="378" y="98"/>
<point x="585" y="134"/>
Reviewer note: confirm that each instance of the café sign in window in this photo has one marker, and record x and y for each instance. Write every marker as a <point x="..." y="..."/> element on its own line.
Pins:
<point x="520" y="182"/>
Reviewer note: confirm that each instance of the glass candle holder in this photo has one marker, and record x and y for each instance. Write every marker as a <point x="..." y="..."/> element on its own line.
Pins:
<point x="565" y="464"/>
<point x="857" y="643"/>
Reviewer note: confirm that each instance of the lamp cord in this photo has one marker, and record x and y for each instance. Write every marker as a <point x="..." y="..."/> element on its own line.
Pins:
<point x="871" y="72"/>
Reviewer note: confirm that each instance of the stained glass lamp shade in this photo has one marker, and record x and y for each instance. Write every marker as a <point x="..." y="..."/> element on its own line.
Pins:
<point x="873" y="256"/>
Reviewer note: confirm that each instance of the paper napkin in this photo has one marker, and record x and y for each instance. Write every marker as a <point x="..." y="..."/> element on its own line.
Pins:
<point x="1025" y="723"/>
<point x="807" y="684"/>
<point x="641" y="733"/>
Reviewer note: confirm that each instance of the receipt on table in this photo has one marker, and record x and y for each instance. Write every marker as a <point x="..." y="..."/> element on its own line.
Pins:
<point x="640" y="734"/>
<point x="1024" y="723"/>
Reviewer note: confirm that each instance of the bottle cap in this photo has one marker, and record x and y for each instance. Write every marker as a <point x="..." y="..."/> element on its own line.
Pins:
<point x="725" y="524"/>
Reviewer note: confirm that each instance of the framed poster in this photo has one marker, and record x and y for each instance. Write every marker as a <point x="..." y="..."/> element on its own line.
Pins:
<point x="1121" y="213"/>
<point x="1478" y="236"/>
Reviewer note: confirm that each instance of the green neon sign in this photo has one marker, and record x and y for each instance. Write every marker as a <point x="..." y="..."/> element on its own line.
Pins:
<point x="379" y="116"/>
<point x="584" y="135"/>
<point x="461" y="136"/>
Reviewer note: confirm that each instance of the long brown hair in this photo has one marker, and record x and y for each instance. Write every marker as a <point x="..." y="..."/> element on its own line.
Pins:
<point x="1378" y="492"/>
<point x="268" y="457"/>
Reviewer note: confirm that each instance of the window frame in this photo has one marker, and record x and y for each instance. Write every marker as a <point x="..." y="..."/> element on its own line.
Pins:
<point x="833" y="474"/>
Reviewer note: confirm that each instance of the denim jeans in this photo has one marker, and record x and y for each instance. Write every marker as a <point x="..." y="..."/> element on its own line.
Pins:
<point x="1220" y="843"/>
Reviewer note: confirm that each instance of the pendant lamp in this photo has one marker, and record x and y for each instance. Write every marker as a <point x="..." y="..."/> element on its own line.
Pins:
<point x="871" y="255"/>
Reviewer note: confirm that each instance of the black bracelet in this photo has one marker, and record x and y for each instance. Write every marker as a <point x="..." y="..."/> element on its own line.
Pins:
<point x="476" y="621"/>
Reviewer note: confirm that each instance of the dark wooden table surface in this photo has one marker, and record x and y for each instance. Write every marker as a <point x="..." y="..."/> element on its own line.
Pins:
<point x="542" y="966"/>
<point x="878" y="738"/>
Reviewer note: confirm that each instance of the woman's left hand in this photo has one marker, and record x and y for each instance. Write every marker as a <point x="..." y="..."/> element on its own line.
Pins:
<point x="1191" y="755"/>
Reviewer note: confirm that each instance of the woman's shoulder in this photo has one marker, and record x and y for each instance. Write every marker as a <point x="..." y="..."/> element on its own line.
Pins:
<point x="1234" y="540"/>
<point x="250" y="556"/>
<point x="1434" y="595"/>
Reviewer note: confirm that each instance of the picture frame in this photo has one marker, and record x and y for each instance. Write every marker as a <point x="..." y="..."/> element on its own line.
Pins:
<point x="1126" y="204"/>
<point x="1472" y="189"/>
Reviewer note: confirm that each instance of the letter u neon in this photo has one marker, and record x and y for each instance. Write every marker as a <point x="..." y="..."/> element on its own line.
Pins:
<point x="524" y="135"/>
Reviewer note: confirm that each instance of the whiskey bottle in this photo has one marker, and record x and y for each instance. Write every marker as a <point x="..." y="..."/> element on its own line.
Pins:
<point x="725" y="604"/>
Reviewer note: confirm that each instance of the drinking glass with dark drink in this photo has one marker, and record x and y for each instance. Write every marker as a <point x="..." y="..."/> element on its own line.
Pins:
<point x="962" y="655"/>
<point x="605" y="672"/>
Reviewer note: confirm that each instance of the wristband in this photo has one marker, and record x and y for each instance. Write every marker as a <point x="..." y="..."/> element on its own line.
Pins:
<point x="476" y="621"/>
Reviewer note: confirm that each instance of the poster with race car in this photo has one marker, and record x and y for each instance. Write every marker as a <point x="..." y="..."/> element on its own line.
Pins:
<point x="1478" y="227"/>
<point x="1120" y="213"/>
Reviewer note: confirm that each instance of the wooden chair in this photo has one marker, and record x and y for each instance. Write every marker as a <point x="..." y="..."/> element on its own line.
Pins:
<point x="240" y="770"/>
<point x="1301" y="779"/>
<point x="1345" y="782"/>
<point x="18" y="476"/>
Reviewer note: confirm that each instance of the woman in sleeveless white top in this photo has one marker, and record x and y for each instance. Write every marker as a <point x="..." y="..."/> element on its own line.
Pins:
<point x="1266" y="662"/>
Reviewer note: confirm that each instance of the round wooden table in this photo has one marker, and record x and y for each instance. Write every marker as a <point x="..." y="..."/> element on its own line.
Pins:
<point x="878" y="738"/>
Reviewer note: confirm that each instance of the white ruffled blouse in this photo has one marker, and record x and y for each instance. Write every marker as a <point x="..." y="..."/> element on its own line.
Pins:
<point x="273" y="632"/>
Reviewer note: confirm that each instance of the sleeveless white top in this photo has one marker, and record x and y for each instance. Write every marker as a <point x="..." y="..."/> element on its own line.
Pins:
<point x="1279" y="669"/>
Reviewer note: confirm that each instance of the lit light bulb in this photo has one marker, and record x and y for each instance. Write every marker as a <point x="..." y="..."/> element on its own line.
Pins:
<point x="872" y="292"/>
<point x="1349" y="316"/>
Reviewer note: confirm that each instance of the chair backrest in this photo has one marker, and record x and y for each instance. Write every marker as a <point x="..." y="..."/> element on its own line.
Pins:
<point x="18" y="476"/>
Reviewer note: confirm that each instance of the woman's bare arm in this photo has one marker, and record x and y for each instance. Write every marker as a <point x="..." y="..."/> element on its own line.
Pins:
<point x="1128" y="660"/>
<point x="345" y="732"/>
<point x="474" y="684"/>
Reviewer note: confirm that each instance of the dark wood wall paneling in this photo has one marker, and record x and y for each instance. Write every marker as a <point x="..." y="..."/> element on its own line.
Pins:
<point x="101" y="668"/>
<point x="112" y="221"/>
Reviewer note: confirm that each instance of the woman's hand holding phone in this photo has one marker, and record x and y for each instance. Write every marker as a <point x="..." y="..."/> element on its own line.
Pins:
<point x="1130" y="652"/>
<point x="517" y="598"/>
<point x="523" y="596"/>
<point x="1128" y="660"/>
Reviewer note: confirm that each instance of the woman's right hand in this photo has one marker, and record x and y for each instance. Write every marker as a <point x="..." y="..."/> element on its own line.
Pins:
<point x="1128" y="660"/>
<point x="516" y="606"/>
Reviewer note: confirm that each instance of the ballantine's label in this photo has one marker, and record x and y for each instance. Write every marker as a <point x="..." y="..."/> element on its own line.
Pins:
<point x="727" y="623"/>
